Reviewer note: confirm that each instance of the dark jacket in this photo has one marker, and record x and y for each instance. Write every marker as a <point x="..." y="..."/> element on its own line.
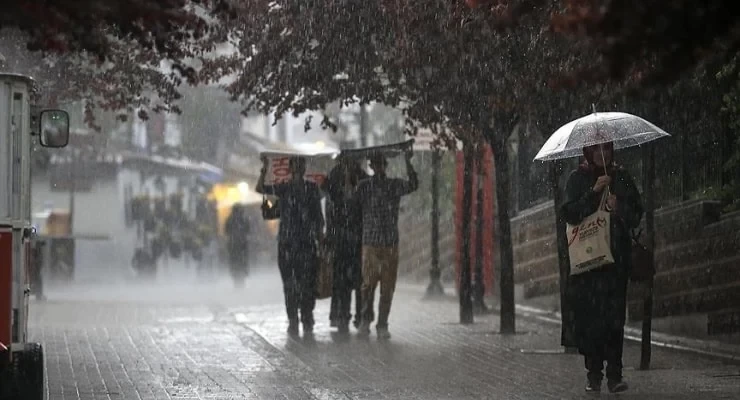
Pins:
<point x="301" y="218"/>
<point x="344" y="215"/>
<point x="598" y="297"/>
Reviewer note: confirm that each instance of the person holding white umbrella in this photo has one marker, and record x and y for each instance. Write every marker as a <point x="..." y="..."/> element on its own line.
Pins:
<point x="599" y="296"/>
<point x="601" y="207"/>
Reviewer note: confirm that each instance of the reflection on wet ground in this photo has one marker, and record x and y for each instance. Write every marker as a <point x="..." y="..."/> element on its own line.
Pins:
<point x="184" y="338"/>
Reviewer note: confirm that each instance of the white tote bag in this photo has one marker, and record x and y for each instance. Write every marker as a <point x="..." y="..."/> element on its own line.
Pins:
<point x="589" y="243"/>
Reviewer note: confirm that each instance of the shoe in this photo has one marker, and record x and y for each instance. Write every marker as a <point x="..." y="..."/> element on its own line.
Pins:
<point x="364" y="329"/>
<point x="617" y="387"/>
<point x="308" y="322"/>
<point x="333" y="323"/>
<point x="383" y="334"/>
<point x="358" y="320"/>
<point x="593" y="386"/>
<point x="343" y="328"/>
<point x="293" y="329"/>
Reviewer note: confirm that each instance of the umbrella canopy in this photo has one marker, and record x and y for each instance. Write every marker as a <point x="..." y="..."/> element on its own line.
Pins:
<point x="624" y="130"/>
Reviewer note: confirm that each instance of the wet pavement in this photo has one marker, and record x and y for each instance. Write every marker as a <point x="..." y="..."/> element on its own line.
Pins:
<point x="187" y="340"/>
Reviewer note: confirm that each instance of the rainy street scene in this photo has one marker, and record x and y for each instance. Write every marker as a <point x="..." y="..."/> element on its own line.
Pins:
<point x="366" y="200"/>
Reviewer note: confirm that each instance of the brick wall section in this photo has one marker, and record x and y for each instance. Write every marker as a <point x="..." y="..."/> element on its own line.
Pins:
<point x="697" y="255"/>
<point x="698" y="262"/>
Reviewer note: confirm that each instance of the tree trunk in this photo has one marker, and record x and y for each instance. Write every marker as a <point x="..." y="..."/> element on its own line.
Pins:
<point x="506" y="270"/>
<point x="435" y="290"/>
<point x="466" y="301"/>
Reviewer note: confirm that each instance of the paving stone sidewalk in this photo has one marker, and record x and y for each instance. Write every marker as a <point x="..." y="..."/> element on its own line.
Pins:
<point x="219" y="347"/>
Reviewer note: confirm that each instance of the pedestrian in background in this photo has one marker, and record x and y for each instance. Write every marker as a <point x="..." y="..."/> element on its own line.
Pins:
<point x="301" y="228"/>
<point x="344" y="233"/>
<point x="237" y="232"/>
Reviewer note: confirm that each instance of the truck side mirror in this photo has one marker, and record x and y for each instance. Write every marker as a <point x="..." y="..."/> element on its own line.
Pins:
<point x="54" y="128"/>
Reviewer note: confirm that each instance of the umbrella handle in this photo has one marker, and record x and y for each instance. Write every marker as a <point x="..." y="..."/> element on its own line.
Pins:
<point x="604" y="196"/>
<point x="606" y="193"/>
<point x="603" y="161"/>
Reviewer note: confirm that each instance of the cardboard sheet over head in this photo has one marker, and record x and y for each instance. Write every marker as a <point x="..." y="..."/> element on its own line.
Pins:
<point x="390" y="152"/>
<point x="278" y="169"/>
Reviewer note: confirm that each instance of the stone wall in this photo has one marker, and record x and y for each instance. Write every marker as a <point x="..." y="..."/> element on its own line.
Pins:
<point x="697" y="256"/>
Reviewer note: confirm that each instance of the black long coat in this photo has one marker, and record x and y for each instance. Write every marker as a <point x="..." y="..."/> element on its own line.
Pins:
<point x="598" y="298"/>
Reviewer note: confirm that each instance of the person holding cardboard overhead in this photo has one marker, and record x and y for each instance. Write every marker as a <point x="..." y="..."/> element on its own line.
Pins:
<point x="301" y="228"/>
<point x="379" y="198"/>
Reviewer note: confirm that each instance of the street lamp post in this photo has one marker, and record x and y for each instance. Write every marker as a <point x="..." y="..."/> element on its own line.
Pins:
<point x="647" y="317"/>
<point x="72" y="187"/>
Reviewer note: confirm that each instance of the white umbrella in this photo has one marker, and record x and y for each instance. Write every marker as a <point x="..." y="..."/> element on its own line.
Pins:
<point x="624" y="130"/>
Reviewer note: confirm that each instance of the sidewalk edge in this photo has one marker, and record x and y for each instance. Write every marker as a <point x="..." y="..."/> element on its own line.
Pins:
<point x="716" y="350"/>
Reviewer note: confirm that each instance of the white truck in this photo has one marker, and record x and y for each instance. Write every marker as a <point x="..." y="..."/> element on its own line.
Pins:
<point x="21" y="362"/>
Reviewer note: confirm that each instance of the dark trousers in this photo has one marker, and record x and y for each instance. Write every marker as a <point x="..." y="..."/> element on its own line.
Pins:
<point x="347" y="278"/>
<point x="341" y="301"/>
<point x="298" y="266"/>
<point x="612" y="355"/>
<point x="598" y="300"/>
